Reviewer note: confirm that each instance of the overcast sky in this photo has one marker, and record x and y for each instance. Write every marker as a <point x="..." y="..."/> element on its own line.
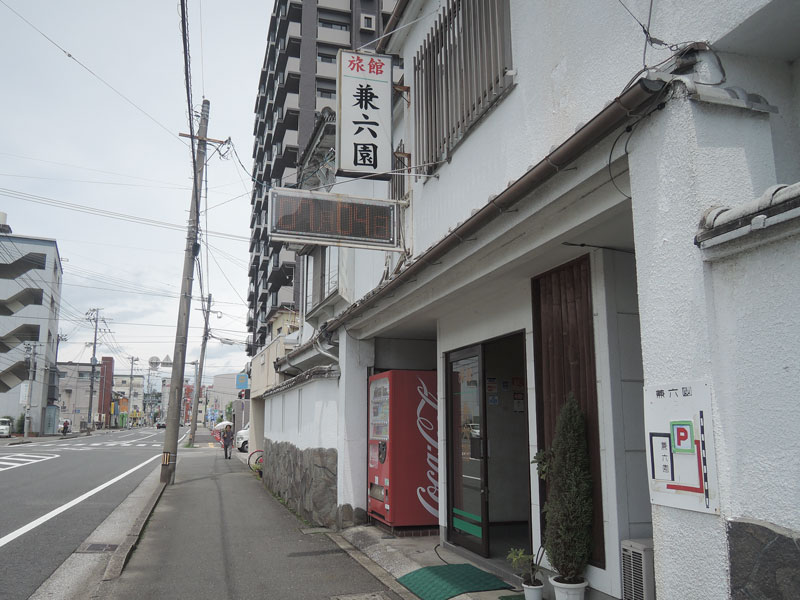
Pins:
<point x="67" y="137"/>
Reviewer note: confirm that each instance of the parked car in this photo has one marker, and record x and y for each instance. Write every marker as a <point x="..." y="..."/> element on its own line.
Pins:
<point x="161" y="425"/>
<point x="243" y="438"/>
<point x="6" y="427"/>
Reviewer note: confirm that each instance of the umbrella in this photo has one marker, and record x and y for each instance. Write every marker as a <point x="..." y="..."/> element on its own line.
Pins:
<point x="222" y="425"/>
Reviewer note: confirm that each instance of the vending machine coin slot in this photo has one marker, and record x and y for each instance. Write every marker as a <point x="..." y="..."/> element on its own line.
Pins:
<point x="381" y="452"/>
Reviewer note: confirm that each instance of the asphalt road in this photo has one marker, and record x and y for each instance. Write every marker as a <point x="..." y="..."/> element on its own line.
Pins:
<point x="50" y="475"/>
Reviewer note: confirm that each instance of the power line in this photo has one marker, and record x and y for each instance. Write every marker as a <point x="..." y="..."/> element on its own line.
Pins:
<point x="138" y="185"/>
<point x="109" y="214"/>
<point x="95" y="75"/>
<point x="73" y="166"/>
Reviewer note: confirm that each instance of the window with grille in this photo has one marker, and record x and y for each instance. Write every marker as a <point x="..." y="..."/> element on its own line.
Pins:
<point x="462" y="69"/>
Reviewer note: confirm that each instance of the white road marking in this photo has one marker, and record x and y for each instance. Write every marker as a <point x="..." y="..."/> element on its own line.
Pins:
<point x="64" y="507"/>
<point x="12" y="461"/>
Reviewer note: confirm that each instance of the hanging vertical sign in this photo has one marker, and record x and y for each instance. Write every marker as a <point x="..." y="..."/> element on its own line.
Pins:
<point x="364" y="127"/>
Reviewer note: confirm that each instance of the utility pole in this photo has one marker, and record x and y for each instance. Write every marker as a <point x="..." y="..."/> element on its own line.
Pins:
<point x="199" y="377"/>
<point x="93" y="314"/>
<point x="31" y="380"/>
<point x="133" y="359"/>
<point x="170" y="453"/>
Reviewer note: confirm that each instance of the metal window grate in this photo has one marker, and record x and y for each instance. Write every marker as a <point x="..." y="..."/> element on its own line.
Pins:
<point x="397" y="185"/>
<point x="460" y="71"/>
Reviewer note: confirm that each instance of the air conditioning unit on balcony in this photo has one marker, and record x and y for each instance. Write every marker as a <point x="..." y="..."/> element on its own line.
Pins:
<point x="638" y="573"/>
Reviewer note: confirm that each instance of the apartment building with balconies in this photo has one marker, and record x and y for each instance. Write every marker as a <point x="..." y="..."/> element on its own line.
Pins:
<point x="30" y="299"/>
<point x="75" y="388"/>
<point x="297" y="80"/>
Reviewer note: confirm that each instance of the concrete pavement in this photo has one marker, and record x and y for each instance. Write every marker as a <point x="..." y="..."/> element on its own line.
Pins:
<point x="218" y="533"/>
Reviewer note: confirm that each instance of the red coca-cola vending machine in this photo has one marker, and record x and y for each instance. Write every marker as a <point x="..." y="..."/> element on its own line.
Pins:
<point x="403" y="449"/>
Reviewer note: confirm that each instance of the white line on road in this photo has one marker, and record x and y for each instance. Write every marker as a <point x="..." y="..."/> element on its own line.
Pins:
<point x="12" y="461"/>
<point x="64" y="507"/>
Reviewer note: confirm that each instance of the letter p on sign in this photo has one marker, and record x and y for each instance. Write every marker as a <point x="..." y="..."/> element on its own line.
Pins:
<point x="682" y="436"/>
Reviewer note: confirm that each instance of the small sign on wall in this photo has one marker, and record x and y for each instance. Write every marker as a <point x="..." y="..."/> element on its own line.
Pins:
<point x="679" y="440"/>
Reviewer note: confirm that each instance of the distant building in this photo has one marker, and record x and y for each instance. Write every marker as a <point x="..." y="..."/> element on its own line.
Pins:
<point x="30" y="297"/>
<point x="131" y="388"/>
<point x="74" y="381"/>
<point x="298" y="79"/>
<point x="222" y="393"/>
<point x="188" y="391"/>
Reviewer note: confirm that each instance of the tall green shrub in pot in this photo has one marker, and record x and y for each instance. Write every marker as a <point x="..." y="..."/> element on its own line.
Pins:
<point x="568" y="509"/>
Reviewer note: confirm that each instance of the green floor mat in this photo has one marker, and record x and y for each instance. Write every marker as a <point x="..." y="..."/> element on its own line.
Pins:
<point x="446" y="581"/>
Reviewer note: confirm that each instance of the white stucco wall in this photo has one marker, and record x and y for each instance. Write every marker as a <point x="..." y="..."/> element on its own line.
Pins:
<point x="757" y="375"/>
<point x="305" y="415"/>
<point x="355" y="357"/>
<point x="689" y="157"/>
<point x="557" y="89"/>
<point x="563" y="80"/>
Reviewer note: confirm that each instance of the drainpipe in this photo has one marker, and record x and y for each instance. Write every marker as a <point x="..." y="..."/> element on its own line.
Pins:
<point x="321" y="350"/>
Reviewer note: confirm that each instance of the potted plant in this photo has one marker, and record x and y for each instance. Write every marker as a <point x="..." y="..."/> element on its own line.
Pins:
<point x="527" y="567"/>
<point x="568" y="508"/>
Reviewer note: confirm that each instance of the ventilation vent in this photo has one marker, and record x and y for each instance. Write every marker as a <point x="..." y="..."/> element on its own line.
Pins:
<point x="638" y="577"/>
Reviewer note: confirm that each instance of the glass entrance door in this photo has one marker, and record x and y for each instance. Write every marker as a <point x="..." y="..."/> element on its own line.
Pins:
<point x="468" y="510"/>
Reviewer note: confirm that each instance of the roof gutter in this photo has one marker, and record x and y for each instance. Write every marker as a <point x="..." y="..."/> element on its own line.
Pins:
<point x="632" y="100"/>
<point x="394" y="18"/>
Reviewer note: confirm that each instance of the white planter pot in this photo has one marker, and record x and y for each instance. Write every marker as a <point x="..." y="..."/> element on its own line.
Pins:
<point x="569" y="591"/>
<point x="532" y="592"/>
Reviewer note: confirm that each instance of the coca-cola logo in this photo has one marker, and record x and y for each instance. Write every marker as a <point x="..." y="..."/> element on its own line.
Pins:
<point x="427" y="418"/>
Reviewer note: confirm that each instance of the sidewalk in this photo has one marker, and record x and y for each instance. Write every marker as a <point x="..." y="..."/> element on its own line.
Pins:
<point x="218" y="533"/>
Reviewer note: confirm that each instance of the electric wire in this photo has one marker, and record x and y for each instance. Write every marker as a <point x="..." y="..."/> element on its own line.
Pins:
<point x="121" y="184"/>
<point x="392" y="172"/>
<point x="73" y="166"/>
<point x="202" y="56"/>
<point x="109" y="214"/>
<point x="93" y="74"/>
<point x="233" y="287"/>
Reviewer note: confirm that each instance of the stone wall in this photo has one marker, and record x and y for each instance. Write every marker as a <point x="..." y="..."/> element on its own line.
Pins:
<point x="305" y="479"/>
<point x="765" y="561"/>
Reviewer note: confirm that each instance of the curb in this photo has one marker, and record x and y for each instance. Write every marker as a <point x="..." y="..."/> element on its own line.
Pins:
<point x="374" y="568"/>
<point x="119" y="559"/>
<point x="44" y="438"/>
